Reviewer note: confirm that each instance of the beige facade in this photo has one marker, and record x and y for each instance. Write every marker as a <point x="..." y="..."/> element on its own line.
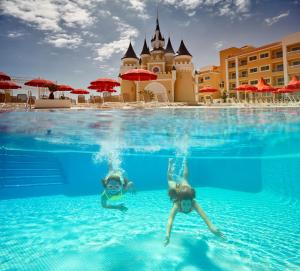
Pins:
<point x="176" y="81"/>
<point x="210" y="76"/>
<point x="275" y="62"/>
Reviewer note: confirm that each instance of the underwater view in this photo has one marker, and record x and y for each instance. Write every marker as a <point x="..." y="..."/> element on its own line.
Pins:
<point x="57" y="212"/>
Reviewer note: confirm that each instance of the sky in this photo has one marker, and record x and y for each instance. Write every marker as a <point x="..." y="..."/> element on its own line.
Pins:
<point x="76" y="41"/>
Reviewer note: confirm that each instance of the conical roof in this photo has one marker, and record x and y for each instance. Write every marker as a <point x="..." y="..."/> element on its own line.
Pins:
<point x="169" y="48"/>
<point x="130" y="53"/>
<point x="182" y="51"/>
<point x="145" y="50"/>
<point x="159" y="33"/>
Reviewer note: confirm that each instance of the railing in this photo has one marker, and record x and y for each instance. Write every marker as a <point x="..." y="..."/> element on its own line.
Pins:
<point x="294" y="52"/>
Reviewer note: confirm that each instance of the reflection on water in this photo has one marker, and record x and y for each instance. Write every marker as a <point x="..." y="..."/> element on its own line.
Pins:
<point x="180" y="131"/>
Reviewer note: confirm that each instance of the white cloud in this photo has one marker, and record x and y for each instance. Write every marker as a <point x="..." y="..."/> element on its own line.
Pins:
<point x="139" y="6"/>
<point x="126" y="33"/>
<point x="64" y="40"/>
<point x="218" y="45"/>
<point x="273" y="20"/>
<point x="15" y="34"/>
<point x="228" y="8"/>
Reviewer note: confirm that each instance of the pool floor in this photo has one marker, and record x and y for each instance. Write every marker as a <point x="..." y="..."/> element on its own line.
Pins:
<point x="76" y="233"/>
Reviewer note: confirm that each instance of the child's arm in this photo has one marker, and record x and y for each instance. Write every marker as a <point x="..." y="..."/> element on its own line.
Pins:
<point x="211" y="227"/>
<point x="170" y="223"/>
<point x="130" y="187"/>
<point x="104" y="204"/>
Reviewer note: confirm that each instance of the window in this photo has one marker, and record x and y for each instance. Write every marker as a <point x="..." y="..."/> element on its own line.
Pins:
<point x="244" y="74"/>
<point x="264" y="55"/>
<point x="296" y="63"/>
<point x="264" y="68"/>
<point x="206" y="78"/>
<point x="279" y="68"/>
<point x="267" y="80"/>
<point x="200" y="80"/>
<point x="252" y="58"/>
<point x="231" y="65"/>
<point x="280" y="81"/>
<point x="296" y="48"/>
<point x="253" y="70"/>
<point x="243" y="62"/>
<point x="233" y="85"/>
<point x="278" y="54"/>
<point x="253" y="82"/>
<point x="232" y="75"/>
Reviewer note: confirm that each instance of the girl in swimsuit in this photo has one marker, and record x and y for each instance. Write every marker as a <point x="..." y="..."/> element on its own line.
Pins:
<point x="183" y="197"/>
<point x="115" y="186"/>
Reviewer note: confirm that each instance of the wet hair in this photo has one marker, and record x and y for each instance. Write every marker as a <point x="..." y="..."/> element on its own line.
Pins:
<point x="116" y="178"/>
<point x="184" y="193"/>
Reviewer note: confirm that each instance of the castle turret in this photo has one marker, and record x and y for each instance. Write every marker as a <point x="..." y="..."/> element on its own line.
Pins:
<point x="145" y="55"/>
<point x="158" y="41"/>
<point x="129" y="61"/>
<point x="184" y="86"/>
<point x="169" y="56"/>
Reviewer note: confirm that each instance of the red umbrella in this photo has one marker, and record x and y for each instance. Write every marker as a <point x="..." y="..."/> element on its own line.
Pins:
<point x="294" y="83"/>
<point x="207" y="89"/>
<point x="106" y="82"/>
<point x="8" y="85"/>
<point x="283" y="90"/>
<point x="39" y="82"/>
<point x="80" y="91"/>
<point x="246" y="87"/>
<point x="4" y="77"/>
<point x="64" y="88"/>
<point x="139" y="75"/>
<point x="263" y="87"/>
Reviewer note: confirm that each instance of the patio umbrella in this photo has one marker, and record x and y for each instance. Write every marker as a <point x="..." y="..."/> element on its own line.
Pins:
<point x="4" y="77"/>
<point x="263" y="87"/>
<point x="283" y="90"/>
<point x="246" y="88"/>
<point x="294" y="84"/>
<point x="79" y="91"/>
<point x="8" y="85"/>
<point x="39" y="82"/>
<point x="138" y="75"/>
<point x="105" y="82"/>
<point x="207" y="89"/>
<point x="64" y="88"/>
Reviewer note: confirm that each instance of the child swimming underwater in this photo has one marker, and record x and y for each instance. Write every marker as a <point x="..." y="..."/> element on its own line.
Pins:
<point x="115" y="186"/>
<point x="183" y="197"/>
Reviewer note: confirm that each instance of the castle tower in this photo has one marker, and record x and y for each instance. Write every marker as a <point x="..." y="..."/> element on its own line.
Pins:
<point x="145" y="56"/>
<point x="184" y="85"/>
<point x="129" y="61"/>
<point x="157" y="63"/>
<point x="169" y="56"/>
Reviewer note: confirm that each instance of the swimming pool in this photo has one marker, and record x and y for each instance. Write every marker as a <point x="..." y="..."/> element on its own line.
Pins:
<point x="244" y="164"/>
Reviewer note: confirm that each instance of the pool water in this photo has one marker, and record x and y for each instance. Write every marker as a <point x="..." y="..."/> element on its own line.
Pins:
<point x="244" y="164"/>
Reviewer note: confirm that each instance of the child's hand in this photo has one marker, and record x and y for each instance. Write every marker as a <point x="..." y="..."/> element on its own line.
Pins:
<point x="123" y="208"/>
<point x="167" y="241"/>
<point x="217" y="232"/>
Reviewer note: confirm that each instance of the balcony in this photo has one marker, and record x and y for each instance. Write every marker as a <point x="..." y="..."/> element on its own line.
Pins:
<point x="293" y="52"/>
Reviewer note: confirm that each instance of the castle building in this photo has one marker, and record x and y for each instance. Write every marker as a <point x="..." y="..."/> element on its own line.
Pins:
<point x="176" y="81"/>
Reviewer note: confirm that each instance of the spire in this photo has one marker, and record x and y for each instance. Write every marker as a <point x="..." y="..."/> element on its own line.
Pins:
<point x="145" y="50"/>
<point x="169" y="48"/>
<point x="130" y="53"/>
<point x="157" y="42"/>
<point x="182" y="51"/>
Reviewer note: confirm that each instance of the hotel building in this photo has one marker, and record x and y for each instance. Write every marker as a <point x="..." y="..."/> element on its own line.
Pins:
<point x="275" y="62"/>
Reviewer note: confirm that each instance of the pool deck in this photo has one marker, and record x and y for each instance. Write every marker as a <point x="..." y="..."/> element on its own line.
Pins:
<point x="151" y="105"/>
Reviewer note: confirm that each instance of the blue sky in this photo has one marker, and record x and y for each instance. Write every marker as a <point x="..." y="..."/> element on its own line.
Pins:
<point x="75" y="42"/>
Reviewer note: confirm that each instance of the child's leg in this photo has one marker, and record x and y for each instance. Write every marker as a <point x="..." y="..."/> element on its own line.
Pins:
<point x="171" y="183"/>
<point x="185" y="174"/>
